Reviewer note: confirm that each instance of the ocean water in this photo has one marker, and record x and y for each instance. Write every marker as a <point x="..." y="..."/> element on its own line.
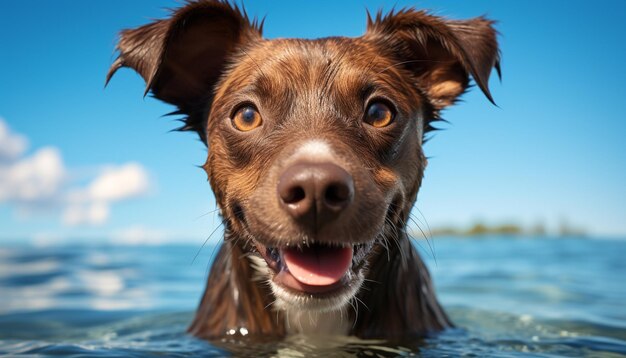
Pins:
<point x="536" y="297"/>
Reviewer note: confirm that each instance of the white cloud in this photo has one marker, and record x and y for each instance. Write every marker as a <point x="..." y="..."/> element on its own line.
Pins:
<point x="41" y="182"/>
<point x="120" y="183"/>
<point x="33" y="179"/>
<point x="91" y="205"/>
<point x="11" y="145"/>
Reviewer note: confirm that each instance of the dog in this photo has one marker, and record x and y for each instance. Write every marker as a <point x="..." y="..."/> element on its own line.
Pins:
<point x="315" y="159"/>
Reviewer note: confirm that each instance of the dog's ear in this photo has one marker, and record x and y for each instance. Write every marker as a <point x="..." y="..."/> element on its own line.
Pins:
<point x="440" y="53"/>
<point x="182" y="58"/>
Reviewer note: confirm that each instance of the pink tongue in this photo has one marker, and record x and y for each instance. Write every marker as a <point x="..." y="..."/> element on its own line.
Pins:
<point x="318" y="266"/>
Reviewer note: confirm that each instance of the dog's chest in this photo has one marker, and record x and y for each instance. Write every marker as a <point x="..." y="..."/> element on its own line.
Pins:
<point x="318" y="323"/>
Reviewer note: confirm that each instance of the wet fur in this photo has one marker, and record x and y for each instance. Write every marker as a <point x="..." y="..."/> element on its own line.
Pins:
<point x="209" y="56"/>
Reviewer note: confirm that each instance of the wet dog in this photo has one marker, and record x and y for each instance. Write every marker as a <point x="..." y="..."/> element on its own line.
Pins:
<point x="315" y="158"/>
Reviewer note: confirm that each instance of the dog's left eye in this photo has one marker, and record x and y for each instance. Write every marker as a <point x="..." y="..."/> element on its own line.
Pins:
<point x="379" y="115"/>
<point x="246" y="119"/>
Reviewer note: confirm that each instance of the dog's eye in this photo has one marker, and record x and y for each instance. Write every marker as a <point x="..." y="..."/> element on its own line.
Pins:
<point x="246" y="119"/>
<point x="378" y="115"/>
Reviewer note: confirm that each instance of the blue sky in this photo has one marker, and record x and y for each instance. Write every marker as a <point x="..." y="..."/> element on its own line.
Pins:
<point x="81" y="162"/>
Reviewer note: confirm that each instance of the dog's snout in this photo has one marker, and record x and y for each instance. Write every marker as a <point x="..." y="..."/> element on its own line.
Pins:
<point x="314" y="194"/>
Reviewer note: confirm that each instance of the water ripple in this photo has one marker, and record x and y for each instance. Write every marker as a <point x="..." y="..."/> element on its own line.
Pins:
<point x="510" y="297"/>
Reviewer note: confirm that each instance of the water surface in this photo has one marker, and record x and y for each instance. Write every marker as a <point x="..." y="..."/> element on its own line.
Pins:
<point x="508" y="296"/>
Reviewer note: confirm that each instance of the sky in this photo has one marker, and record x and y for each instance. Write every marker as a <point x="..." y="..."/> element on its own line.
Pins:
<point x="81" y="162"/>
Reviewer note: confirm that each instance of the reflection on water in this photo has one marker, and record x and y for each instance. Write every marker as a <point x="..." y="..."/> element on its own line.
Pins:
<point x="509" y="297"/>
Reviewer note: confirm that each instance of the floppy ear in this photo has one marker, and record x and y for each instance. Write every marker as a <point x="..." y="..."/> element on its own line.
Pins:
<point x="182" y="58"/>
<point x="440" y="53"/>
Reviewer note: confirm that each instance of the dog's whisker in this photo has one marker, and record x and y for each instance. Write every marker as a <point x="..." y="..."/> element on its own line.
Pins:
<point x="413" y="239"/>
<point x="425" y="221"/>
<point x="205" y="214"/>
<point x="361" y="302"/>
<point x="271" y="303"/>
<point x="394" y="236"/>
<point x="356" y="310"/>
<point x="372" y="281"/>
<point x="341" y="316"/>
<point x="383" y="243"/>
<point x="430" y="233"/>
<point x="402" y="255"/>
<point x="206" y="240"/>
<point x="432" y="250"/>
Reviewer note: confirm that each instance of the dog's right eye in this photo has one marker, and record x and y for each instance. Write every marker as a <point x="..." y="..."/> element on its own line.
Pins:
<point x="246" y="119"/>
<point x="379" y="115"/>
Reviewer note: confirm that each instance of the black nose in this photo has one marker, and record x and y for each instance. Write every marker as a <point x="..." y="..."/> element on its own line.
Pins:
<point x="315" y="194"/>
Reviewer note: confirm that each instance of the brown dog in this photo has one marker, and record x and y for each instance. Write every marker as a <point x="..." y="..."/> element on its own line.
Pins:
<point x="315" y="158"/>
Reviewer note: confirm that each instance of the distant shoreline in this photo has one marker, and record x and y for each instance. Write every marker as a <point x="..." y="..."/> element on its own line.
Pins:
<point x="507" y="229"/>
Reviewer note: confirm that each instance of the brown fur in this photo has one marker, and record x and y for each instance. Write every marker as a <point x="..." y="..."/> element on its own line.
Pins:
<point x="208" y="58"/>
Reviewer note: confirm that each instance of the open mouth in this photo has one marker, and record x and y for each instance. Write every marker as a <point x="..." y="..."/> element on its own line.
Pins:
<point x="317" y="268"/>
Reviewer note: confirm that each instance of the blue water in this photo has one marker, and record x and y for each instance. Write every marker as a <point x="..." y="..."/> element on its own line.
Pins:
<point x="508" y="296"/>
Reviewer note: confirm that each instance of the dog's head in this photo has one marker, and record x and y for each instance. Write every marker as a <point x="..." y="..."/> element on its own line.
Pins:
<point x="315" y="146"/>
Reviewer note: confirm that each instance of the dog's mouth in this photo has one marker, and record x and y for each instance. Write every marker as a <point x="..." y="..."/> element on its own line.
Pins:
<point x="315" y="269"/>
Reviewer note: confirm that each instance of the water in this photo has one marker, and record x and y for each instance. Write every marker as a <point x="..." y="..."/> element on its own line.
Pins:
<point x="508" y="296"/>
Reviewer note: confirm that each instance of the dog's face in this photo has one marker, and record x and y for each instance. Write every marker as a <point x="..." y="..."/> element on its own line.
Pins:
<point x="315" y="150"/>
<point x="315" y="146"/>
